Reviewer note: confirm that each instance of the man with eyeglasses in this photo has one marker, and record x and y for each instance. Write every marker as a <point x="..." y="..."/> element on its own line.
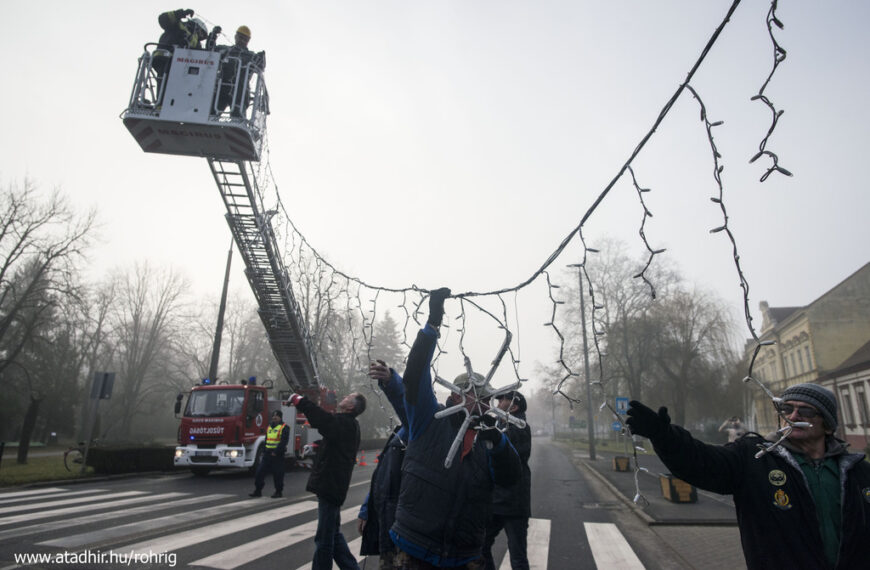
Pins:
<point x="802" y="504"/>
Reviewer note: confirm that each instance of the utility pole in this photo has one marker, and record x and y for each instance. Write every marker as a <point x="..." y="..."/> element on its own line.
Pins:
<point x="589" y="413"/>
<point x="216" y="348"/>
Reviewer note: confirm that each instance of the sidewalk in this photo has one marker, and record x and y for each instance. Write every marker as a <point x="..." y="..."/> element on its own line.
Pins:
<point x="704" y="534"/>
<point x="710" y="509"/>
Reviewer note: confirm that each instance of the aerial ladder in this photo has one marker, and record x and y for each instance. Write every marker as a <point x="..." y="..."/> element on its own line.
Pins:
<point x="213" y="103"/>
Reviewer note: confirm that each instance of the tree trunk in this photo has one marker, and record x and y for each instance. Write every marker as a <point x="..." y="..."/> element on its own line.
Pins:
<point x="27" y="429"/>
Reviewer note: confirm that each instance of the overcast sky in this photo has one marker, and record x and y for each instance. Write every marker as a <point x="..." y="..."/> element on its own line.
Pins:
<point x="458" y="142"/>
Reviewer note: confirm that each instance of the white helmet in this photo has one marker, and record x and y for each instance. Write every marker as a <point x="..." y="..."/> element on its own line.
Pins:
<point x="198" y="27"/>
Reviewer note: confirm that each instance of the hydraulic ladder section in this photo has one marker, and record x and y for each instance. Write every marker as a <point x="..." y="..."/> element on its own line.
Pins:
<point x="264" y="268"/>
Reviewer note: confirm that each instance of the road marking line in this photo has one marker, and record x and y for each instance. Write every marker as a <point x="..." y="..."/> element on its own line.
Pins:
<point x="160" y="523"/>
<point x="34" y="506"/>
<point x="208" y="532"/>
<point x="353" y="546"/>
<point x="13" y="497"/>
<point x="537" y="546"/>
<point x="609" y="547"/>
<point x="99" y="517"/>
<point x="229" y="559"/>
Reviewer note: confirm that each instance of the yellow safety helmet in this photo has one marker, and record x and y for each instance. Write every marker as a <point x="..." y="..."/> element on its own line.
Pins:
<point x="245" y="31"/>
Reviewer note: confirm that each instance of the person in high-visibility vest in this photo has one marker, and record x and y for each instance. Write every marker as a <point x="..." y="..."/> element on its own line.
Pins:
<point x="277" y="437"/>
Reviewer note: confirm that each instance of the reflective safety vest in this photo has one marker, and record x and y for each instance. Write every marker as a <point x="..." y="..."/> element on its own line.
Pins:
<point x="273" y="436"/>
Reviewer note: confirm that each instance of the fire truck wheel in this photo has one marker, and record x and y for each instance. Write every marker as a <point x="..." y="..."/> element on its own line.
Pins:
<point x="257" y="459"/>
<point x="200" y="471"/>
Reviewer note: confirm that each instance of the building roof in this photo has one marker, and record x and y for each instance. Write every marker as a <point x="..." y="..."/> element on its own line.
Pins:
<point x="860" y="360"/>
<point x="779" y="314"/>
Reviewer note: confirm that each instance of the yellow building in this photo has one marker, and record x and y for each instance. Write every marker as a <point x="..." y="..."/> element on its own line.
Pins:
<point x="810" y="343"/>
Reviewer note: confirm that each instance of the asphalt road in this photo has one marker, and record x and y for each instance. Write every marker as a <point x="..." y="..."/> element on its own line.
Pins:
<point x="578" y="521"/>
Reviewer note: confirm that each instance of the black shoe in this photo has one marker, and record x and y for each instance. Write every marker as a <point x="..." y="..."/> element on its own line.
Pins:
<point x="277" y="495"/>
<point x="255" y="494"/>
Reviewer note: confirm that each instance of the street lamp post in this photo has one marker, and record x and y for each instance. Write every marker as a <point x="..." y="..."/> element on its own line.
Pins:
<point x="589" y="414"/>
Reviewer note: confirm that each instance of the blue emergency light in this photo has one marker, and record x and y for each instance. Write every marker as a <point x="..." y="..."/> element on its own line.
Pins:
<point x="252" y="380"/>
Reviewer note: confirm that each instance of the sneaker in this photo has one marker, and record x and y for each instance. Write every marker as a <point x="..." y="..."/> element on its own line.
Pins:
<point x="277" y="495"/>
<point x="255" y="494"/>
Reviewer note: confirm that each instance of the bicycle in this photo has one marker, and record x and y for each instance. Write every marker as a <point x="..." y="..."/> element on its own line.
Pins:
<point x="75" y="456"/>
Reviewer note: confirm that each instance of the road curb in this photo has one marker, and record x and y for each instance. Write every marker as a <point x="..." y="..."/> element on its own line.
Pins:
<point x="641" y="514"/>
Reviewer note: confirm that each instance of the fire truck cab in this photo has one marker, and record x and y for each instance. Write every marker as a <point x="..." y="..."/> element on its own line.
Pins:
<point x="224" y="426"/>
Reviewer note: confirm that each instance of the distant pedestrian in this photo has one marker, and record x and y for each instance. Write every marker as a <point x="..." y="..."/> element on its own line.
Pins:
<point x="272" y="460"/>
<point x="733" y="427"/>
<point x="804" y="504"/>
<point x="511" y="504"/>
<point x="330" y="475"/>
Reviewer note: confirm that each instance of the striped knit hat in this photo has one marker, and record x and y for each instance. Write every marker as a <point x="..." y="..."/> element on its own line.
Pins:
<point x="821" y="398"/>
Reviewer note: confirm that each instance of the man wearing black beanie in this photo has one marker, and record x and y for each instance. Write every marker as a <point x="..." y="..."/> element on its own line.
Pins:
<point x="802" y="504"/>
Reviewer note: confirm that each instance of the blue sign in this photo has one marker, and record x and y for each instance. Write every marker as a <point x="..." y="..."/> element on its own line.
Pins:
<point x="621" y="406"/>
<point x="616" y="426"/>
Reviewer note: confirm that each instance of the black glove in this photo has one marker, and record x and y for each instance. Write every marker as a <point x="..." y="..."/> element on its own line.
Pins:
<point x="491" y="435"/>
<point x="643" y="421"/>
<point x="436" y="305"/>
<point x="188" y="13"/>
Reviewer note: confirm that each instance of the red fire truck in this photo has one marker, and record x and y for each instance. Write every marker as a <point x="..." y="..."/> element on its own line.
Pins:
<point x="224" y="425"/>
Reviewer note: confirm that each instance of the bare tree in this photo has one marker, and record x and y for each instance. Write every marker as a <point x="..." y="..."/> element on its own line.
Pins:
<point x="41" y="240"/>
<point x="40" y="243"/>
<point x="692" y="345"/>
<point x="147" y="323"/>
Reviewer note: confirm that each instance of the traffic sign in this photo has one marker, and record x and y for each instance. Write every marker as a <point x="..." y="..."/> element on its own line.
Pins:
<point x="621" y="405"/>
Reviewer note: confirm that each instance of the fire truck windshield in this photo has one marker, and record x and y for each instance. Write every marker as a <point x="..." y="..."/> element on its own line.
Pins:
<point x="207" y="403"/>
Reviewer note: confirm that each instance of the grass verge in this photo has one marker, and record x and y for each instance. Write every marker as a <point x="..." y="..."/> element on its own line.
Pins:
<point x="37" y="469"/>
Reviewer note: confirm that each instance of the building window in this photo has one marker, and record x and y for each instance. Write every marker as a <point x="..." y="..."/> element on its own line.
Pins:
<point x="801" y="360"/>
<point x="785" y="366"/>
<point x="809" y="360"/>
<point x="794" y="368"/>
<point x="862" y="402"/>
<point x="846" y="397"/>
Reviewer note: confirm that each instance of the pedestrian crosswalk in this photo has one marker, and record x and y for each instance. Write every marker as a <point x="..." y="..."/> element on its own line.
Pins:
<point x="216" y="530"/>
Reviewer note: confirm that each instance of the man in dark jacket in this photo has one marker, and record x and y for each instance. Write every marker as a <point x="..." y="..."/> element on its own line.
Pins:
<point x="802" y="504"/>
<point x="511" y="505"/>
<point x="177" y="32"/>
<point x="272" y="460"/>
<point x="330" y="475"/>
<point x="442" y="512"/>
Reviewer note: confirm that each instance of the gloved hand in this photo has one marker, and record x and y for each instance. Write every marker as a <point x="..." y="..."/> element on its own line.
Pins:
<point x="491" y="435"/>
<point x="294" y="400"/>
<point x="188" y="13"/>
<point x="643" y="421"/>
<point x="436" y="305"/>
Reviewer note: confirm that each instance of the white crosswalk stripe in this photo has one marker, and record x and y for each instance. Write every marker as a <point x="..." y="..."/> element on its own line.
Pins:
<point x="94" y="512"/>
<point x="209" y="532"/>
<point x="119" y="532"/>
<point x="353" y="546"/>
<point x="17" y="496"/>
<point x="77" y="500"/>
<point x="609" y="547"/>
<point x="537" y="546"/>
<point x="245" y="553"/>
<point x="87" y="519"/>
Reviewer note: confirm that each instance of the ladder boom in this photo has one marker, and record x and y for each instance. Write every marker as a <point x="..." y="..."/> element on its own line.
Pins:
<point x="269" y="279"/>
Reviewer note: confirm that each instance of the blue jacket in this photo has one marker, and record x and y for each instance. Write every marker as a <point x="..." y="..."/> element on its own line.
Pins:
<point x="442" y="513"/>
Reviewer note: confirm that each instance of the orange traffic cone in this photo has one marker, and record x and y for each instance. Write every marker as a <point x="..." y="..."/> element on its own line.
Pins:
<point x="362" y="459"/>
